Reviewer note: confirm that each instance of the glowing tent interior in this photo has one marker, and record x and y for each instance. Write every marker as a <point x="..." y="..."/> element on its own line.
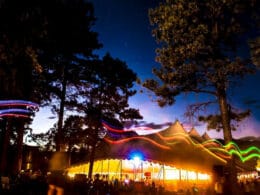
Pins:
<point x="170" y="156"/>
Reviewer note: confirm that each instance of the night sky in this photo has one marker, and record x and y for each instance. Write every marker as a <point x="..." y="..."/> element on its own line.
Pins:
<point x="125" y="32"/>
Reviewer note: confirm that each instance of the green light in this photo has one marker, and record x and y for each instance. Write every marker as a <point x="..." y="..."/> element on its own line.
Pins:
<point x="233" y="149"/>
<point x="246" y="158"/>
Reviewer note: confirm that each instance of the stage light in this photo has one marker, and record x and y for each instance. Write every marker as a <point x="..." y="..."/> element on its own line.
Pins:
<point x="136" y="156"/>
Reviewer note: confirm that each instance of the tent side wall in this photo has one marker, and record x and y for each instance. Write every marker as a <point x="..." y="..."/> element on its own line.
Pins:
<point x="170" y="177"/>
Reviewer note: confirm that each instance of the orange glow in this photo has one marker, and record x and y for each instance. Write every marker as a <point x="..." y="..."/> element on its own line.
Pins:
<point x="117" y="168"/>
<point x="179" y="136"/>
<point x="172" y="174"/>
<point x="189" y="140"/>
<point x="192" y="175"/>
<point x="113" y="129"/>
<point x="203" y="176"/>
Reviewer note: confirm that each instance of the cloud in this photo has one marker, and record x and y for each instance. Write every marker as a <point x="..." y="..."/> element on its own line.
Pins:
<point x="156" y="126"/>
<point x="143" y="127"/>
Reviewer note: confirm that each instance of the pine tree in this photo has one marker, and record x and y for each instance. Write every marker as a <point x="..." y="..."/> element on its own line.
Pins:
<point x="199" y="51"/>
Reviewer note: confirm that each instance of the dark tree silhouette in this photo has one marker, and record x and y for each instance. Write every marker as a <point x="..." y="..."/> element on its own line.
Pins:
<point x="106" y="98"/>
<point x="40" y="39"/>
<point x="69" y="38"/>
<point x="18" y="62"/>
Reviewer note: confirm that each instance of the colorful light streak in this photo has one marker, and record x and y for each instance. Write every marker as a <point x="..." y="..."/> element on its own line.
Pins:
<point x="178" y="136"/>
<point x="189" y="140"/>
<point x="220" y="152"/>
<point x="223" y="156"/>
<point x="12" y="108"/>
<point x="213" y="142"/>
<point x="234" y="145"/>
<point x="233" y="149"/>
<point x="136" y="138"/>
<point x="14" y="115"/>
<point x="113" y="129"/>
<point x="15" y="110"/>
<point x="212" y="146"/>
<point x="5" y="103"/>
<point x="243" y="159"/>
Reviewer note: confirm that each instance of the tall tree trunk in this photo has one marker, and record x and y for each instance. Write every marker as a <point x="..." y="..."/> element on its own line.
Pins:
<point x="230" y="184"/>
<point x="6" y="142"/>
<point x="93" y="149"/>
<point x="19" y="157"/>
<point x="69" y="155"/>
<point x="59" y="141"/>
<point x="225" y="112"/>
<point x="91" y="160"/>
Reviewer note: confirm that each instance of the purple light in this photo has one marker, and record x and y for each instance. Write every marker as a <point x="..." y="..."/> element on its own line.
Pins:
<point x="17" y="108"/>
<point x="17" y="103"/>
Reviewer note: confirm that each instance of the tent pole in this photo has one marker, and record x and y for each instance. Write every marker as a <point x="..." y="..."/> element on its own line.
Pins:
<point x="108" y="170"/>
<point x="121" y="170"/>
<point x="101" y="167"/>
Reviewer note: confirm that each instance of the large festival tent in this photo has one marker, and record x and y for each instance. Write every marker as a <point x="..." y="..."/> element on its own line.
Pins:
<point x="172" y="156"/>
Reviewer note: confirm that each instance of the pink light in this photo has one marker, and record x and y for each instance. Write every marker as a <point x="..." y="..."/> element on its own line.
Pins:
<point x="113" y="129"/>
<point x="11" y="103"/>
<point x="13" y="108"/>
<point x="14" y="115"/>
<point x="134" y="138"/>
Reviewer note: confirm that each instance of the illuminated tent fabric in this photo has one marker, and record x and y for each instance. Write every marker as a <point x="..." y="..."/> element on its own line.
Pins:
<point x="172" y="146"/>
<point x="137" y="170"/>
<point x="175" y="128"/>
<point x="193" y="133"/>
<point x="205" y="136"/>
<point x="173" y="156"/>
<point x="170" y="157"/>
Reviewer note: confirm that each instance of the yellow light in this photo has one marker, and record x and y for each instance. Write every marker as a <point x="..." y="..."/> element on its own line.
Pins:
<point x="258" y="165"/>
<point x="28" y="166"/>
<point x="203" y="176"/>
<point x="183" y="175"/>
<point x="192" y="175"/>
<point x="172" y="174"/>
<point x="71" y="175"/>
<point x="135" y="169"/>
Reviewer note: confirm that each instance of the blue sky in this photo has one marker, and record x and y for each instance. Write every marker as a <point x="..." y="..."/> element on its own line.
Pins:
<point x="125" y="32"/>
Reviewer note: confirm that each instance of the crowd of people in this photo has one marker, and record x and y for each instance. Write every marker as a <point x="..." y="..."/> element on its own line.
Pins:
<point x="58" y="183"/>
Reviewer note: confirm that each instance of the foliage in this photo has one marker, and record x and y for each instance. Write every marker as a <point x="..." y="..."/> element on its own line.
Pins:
<point x="111" y="86"/>
<point x="214" y="121"/>
<point x="37" y="39"/>
<point x="102" y="94"/>
<point x="46" y="56"/>
<point x="255" y="51"/>
<point x="200" y="49"/>
<point x="105" y="96"/>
